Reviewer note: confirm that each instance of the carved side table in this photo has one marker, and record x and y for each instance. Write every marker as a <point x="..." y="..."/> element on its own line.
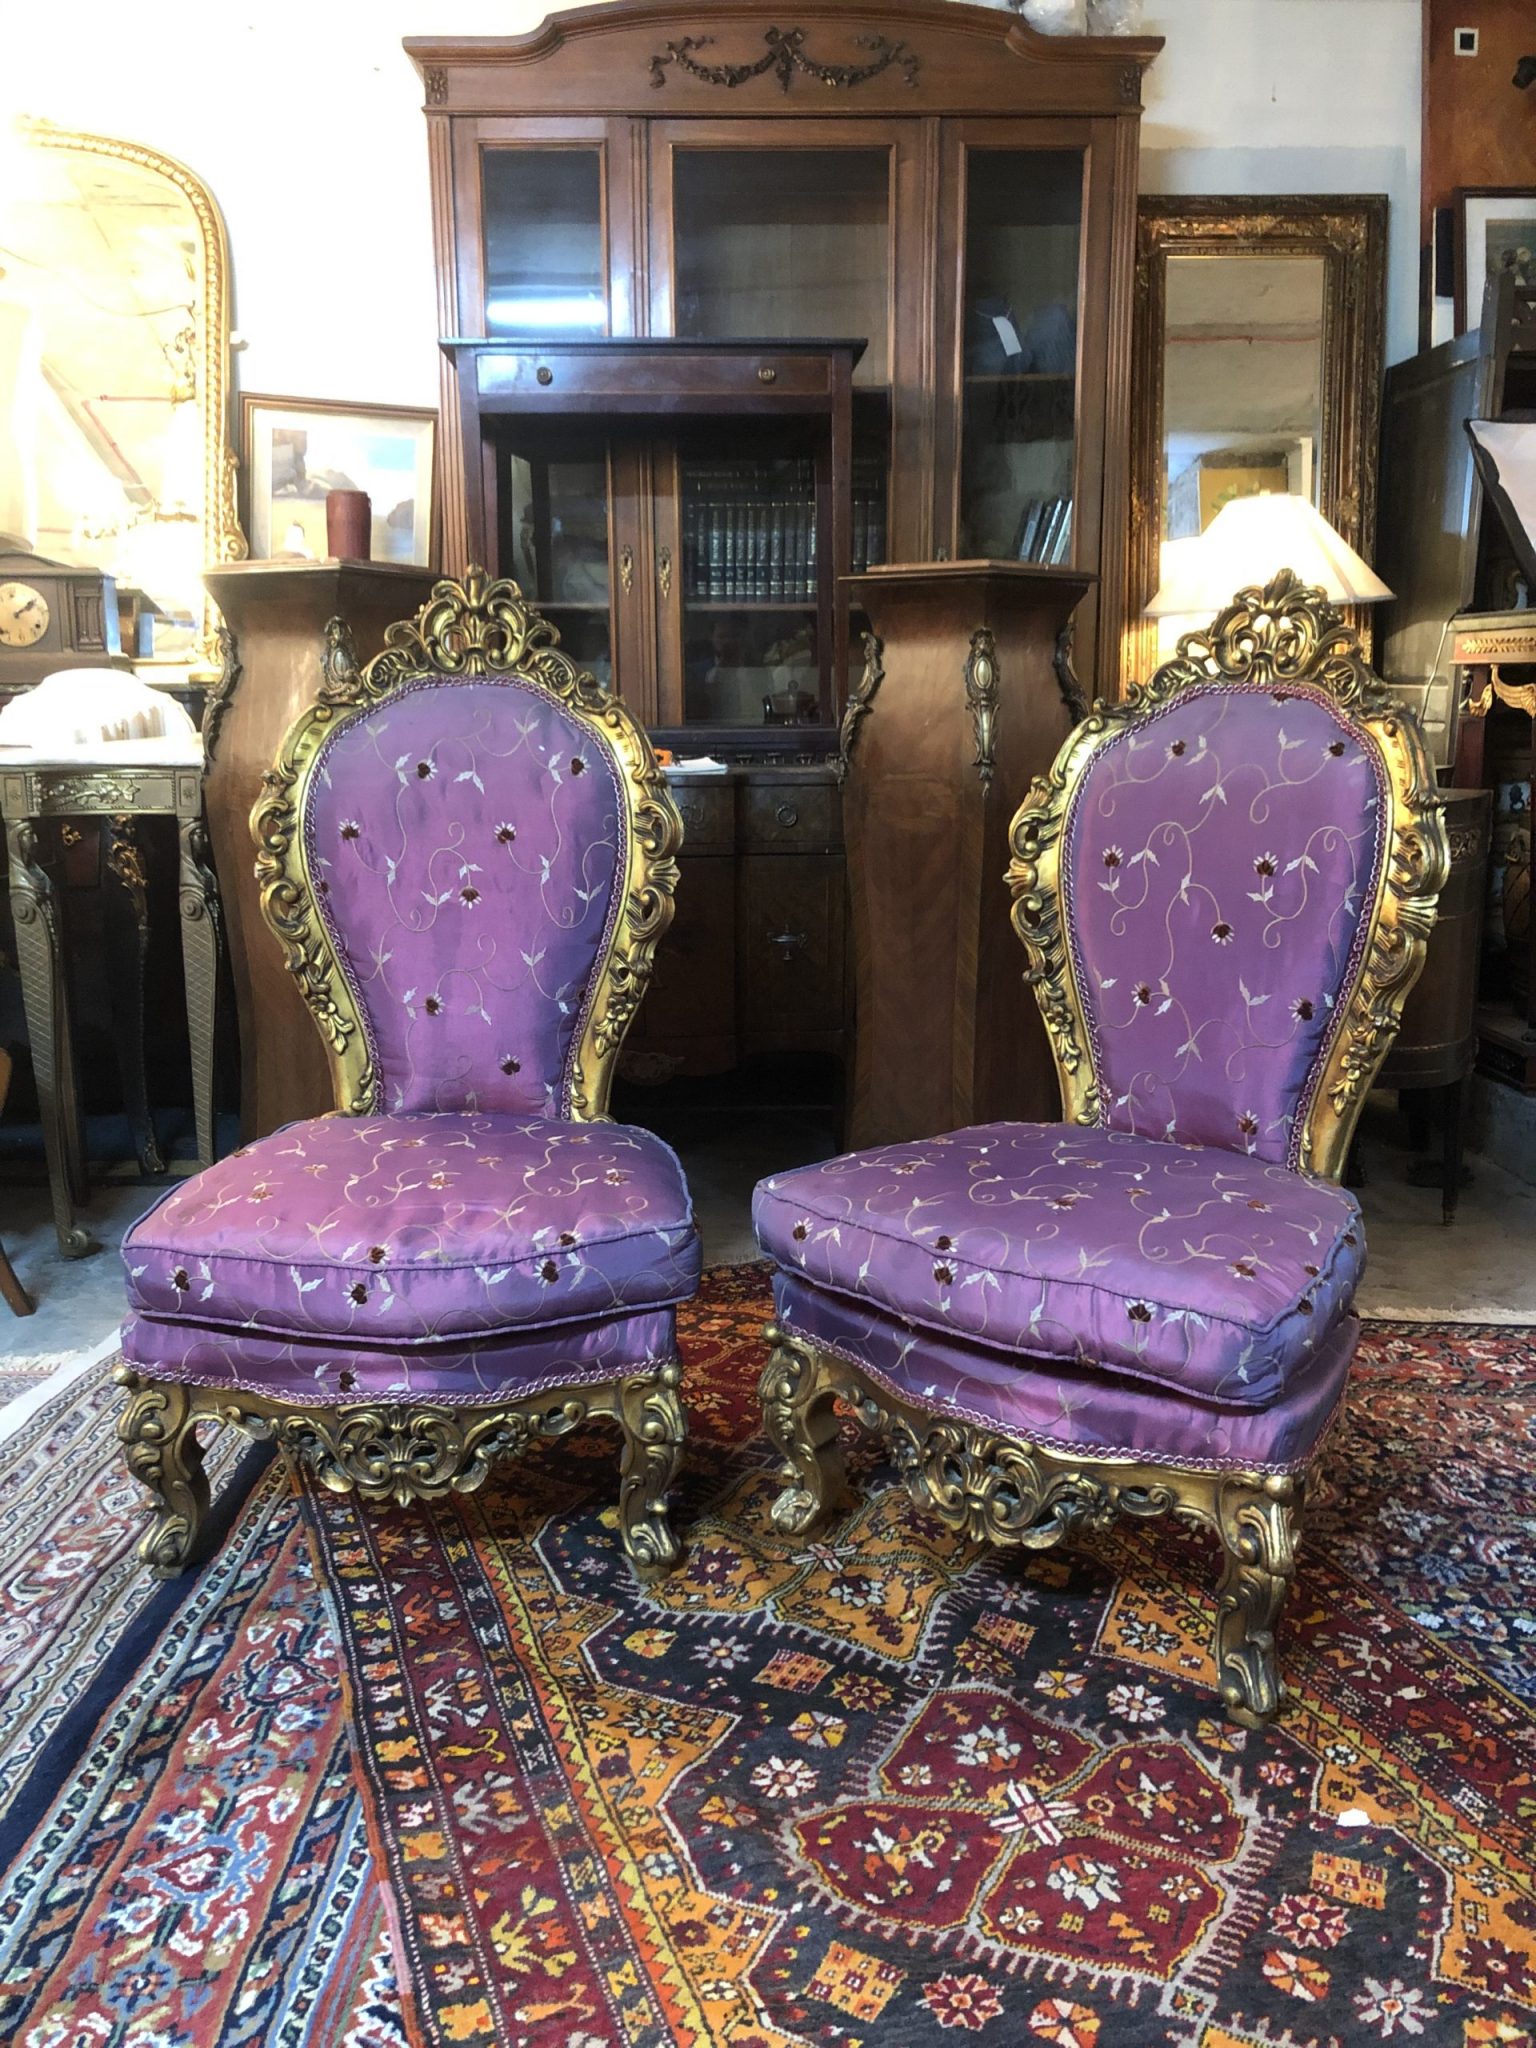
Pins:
<point x="33" y="787"/>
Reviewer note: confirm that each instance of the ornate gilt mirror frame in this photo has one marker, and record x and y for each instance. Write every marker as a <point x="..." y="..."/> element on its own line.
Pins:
<point x="1348" y="233"/>
<point x="209" y="308"/>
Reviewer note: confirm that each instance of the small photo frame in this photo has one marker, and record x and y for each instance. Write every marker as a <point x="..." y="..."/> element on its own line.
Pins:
<point x="1495" y="230"/>
<point x="295" y="451"/>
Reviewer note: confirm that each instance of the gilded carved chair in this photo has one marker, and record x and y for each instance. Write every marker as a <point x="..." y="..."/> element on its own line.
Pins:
<point x="467" y="852"/>
<point x="1224" y="887"/>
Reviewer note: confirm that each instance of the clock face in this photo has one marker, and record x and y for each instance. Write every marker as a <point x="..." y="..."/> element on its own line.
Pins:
<point x="23" y="615"/>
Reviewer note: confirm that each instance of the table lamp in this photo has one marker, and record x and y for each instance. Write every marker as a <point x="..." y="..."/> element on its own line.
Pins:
<point x="1248" y="543"/>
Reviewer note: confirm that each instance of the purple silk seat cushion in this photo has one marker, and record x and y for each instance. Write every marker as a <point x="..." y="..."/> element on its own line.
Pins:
<point x="389" y="1231"/>
<point x="468" y="842"/>
<point x="1219" y="864"/>
<point x="1069" y="1408"/>
<point x="319" y="1372"/>
<point x="1202" y="1270"/>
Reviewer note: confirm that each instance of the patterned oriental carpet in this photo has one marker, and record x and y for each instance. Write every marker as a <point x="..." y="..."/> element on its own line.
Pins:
<point x="880" y="1791"/>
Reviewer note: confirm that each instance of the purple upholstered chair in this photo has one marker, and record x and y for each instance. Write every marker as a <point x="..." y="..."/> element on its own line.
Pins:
<point x="466" y="850"/>
<point x="1224" y="887"/>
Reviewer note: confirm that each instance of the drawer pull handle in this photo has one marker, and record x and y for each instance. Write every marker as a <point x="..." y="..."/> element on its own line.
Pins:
<point x="787" y="816"/>
<point x="544" y="374"/>
<point x="767" y="375"/>
<point x="691" y="814"/>
<point x="788" y="943"/>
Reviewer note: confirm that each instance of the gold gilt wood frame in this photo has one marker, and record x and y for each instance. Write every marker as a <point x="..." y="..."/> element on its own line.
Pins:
<point x="223" y="539"/>
<point x="989" y="1486"/>
<point x="410" y="1451"/>
<point x="1349" y="234"/>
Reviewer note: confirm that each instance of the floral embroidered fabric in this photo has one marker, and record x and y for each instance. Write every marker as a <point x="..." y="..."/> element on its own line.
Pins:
<point x="411" y="1230"/>
<point x="472" y="1371"/>
<point x="1069" y="1408"/>
<point x="1206" y="1271"/>
<point x="1220" y="862"/>
<point x="468" y="842"/>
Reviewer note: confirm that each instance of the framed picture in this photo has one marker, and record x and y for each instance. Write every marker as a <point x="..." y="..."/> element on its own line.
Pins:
<point x="295" y="451"/>
<point x="1495" y="230"/>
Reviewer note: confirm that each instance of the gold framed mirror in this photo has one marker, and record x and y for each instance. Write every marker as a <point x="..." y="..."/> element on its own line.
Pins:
<point x="114" y="381"/>
<point x="1259" y="342"/>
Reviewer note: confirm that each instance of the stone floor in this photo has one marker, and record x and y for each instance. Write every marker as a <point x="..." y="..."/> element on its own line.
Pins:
<point x="1483" y="1268"/>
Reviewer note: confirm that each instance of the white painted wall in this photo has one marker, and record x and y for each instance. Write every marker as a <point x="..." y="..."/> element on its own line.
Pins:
<point x="1294" y="96"/>
<point x="305" y="123"/>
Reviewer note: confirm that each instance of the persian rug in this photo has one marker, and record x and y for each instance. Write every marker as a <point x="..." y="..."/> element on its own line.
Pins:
<point x="886" y="1787"/>
<point x="21" y="1372"/>
<point x="880" y="1790"/>
<point x="184" y="1853"/>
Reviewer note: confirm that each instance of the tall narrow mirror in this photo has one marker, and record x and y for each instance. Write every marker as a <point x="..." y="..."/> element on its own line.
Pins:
<point x="1259" y="358"/>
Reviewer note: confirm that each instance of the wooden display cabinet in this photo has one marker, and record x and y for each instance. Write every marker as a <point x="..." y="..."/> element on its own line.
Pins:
<point x="704" y="195"/>
<point x="681" y="510"/>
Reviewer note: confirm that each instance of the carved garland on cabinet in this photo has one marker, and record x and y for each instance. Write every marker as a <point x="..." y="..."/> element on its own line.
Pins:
<point x="785" y="56"/>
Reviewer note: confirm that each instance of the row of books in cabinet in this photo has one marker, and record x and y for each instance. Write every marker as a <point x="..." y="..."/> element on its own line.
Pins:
<point x="1044" y="531"/>
<point x="750" y="550"/>
<point x="750" y="546"/>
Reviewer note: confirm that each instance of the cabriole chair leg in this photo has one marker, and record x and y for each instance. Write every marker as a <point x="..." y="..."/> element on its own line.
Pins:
<point x="158" y="1432"/>
<point x="655" y="1430"/>
<point x="801" y="1421"/>
<point x="1258" y="1541"/>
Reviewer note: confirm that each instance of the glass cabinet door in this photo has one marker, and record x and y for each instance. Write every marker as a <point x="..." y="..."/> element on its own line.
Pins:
<point x="755" y="599"/>
<point x="763" y="231"/>
<point x="548" y="253"/>
<point x="545" y="264"/>
<point x="554" y="502"/>
<point x="1021" y="241"/>
<point x="784" y="243"/>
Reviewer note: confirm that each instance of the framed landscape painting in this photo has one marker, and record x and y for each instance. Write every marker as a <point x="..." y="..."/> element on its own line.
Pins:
<point x="1495" y="230"/>
<point x="295" y="451"/>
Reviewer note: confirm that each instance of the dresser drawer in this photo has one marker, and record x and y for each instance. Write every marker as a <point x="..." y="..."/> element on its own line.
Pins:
<point x="708" y="812"/>
<point x="789" y="817"/>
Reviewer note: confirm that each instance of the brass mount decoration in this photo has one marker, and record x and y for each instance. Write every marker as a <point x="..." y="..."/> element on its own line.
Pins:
<point x="482" y="629"/>
<point x="785" y="56"/>
<point x="1286" y="633"/>
<point x="998" y="1489"/>
<point x="981" y="700"/>
<point x="861" y="701"/>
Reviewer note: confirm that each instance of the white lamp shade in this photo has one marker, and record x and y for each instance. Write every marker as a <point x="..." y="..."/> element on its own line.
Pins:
<point x="1249" y="542"/>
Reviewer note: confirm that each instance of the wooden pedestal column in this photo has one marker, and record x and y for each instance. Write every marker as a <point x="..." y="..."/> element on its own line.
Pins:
<point x="277" y="613"/>
<point x="971" y="705"/>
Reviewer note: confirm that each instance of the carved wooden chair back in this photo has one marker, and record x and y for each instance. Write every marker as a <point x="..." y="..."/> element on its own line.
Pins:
<point x="1225" y="886"/>
<point x="468" y="853"/>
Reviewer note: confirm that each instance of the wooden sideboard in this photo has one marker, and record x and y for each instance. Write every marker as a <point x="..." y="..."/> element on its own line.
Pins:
<point x="277" y="615"/>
